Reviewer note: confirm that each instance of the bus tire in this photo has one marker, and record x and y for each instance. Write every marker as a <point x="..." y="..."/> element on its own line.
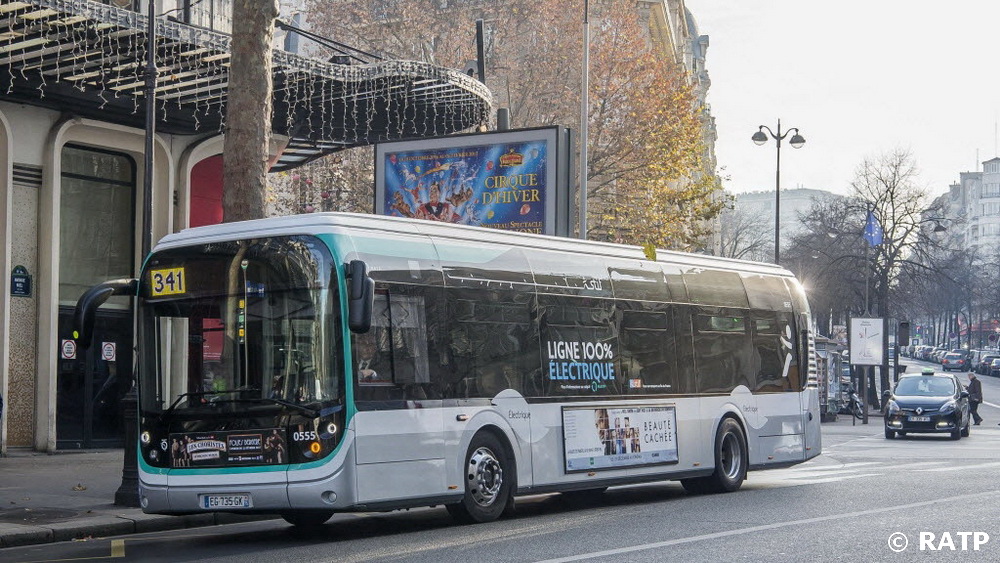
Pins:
<point x="306" y="519"/>
<point x="731" y="459"/>
<point x="488" y="481"/>
<point x="694" y="485"/>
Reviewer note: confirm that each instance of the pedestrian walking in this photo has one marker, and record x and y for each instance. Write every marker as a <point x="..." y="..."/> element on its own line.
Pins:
<point x="975" y="388"/>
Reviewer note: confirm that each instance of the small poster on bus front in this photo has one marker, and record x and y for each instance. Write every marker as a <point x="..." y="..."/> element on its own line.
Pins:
<point x="228" y="448"/>
<point x="617" y="437"/>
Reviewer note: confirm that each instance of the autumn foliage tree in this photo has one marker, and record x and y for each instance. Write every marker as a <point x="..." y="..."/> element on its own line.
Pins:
<point x="645" y="143"/>
<point x="647" y="184"/>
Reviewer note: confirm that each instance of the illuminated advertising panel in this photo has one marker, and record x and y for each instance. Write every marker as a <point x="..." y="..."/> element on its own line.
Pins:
<point x="511" y="180"/>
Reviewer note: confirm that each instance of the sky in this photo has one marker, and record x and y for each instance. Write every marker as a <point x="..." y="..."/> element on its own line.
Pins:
<point x="858" y="78"/>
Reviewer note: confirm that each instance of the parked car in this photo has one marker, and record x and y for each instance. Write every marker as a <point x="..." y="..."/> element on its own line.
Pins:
<point x="953" y="361"/>
<point x="974" y="356"/>
<point x="928" y="403"/>
<point x="983" y="367"/>
<point x="994" y="367"/>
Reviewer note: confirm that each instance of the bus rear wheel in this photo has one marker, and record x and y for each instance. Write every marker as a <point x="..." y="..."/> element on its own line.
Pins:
<point x="306" y="519"/>
<point x="731" y="459"/>
<point x="488" y="479"/>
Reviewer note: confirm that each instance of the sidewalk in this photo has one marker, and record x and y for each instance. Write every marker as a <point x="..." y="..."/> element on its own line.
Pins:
<point x="69" y="495"/>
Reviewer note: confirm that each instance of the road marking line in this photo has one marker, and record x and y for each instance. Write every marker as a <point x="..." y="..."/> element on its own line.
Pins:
<point x="117" y="548"/>
<point x="754" y="529"/>
<point x="962" y="467"/>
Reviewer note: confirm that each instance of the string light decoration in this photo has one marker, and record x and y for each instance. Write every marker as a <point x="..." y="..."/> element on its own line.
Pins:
<point x="88" y="58"/>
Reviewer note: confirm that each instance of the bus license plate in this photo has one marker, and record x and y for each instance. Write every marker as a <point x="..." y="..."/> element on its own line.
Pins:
<point x="226" y="501"/>
<point x="920" y="419"/>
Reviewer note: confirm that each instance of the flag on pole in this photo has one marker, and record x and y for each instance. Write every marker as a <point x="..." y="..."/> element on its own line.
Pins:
<point x="873" y="230"/>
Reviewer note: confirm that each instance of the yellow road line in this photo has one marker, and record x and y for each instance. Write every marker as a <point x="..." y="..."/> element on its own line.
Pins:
<point x="117" y="548"/>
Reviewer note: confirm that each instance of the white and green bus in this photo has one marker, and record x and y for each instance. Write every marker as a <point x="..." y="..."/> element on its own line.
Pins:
<point x="334" y="362"/>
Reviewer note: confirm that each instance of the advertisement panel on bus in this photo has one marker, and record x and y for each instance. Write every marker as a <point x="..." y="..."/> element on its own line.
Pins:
<point x="616" y="437"/>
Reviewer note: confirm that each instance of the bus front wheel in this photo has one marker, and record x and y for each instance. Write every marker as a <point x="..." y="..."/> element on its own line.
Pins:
<point x="731" y="459"/>
<point x="488" y="479"/>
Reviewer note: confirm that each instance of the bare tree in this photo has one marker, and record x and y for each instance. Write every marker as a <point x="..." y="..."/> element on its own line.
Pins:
<point x="887" y="186"/>
<point x="248" y="111"/>
<point x="745" y="235"/>
<point x="339" y="182"/>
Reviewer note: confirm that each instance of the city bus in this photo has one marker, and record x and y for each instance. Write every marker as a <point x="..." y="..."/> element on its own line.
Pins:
<point x="334" y="362"/>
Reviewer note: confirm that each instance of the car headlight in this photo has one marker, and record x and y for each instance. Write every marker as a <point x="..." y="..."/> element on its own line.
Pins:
<point x="948" y="407"/>
<point x="892" y="407"/>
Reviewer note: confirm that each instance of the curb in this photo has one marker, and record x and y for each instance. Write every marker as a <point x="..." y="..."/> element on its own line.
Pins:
<point x="18" y="535"/>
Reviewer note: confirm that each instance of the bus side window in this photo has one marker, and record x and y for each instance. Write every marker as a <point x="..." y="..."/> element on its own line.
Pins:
<point x="648" y="352"/>
<point x="491" y="341"/>
<point x="769" y="354"/>
<point x="722" y="350"/>
<point x="396" y="352"/>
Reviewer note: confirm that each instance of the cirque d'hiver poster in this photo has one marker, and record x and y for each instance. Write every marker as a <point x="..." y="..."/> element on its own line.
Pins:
<point x="501" y="185"/>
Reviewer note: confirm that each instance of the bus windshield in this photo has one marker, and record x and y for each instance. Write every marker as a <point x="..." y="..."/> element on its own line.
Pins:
<point x="247" y="325"/>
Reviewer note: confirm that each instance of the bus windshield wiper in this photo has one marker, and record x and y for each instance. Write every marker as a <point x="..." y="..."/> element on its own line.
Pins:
<point x="313" y="413"/>
<point x="183" y="396"/>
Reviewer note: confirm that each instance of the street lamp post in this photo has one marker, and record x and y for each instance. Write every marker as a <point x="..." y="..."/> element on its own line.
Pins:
<point x="128" y="492"/>
<point x="796" y="141"/>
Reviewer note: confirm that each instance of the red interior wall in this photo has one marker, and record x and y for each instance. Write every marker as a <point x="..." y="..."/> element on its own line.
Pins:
<point x="206" y="192"/>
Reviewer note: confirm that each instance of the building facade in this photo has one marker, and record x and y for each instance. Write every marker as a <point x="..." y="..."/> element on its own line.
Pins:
<point x="72" y="136"/>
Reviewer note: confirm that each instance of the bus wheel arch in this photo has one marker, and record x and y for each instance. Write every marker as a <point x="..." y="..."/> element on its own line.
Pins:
<point x="731" y="455"/>
<point x="489" y="476"/>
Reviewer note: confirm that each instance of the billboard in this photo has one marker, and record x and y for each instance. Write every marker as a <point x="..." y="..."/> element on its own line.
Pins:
<point x="513" y="180"/>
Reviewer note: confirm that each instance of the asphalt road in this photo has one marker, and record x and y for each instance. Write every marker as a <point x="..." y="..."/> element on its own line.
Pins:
<point x="864" y="499"/>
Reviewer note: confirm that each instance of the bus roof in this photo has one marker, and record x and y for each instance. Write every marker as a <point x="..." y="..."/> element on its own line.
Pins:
<point x="334" y="222"/>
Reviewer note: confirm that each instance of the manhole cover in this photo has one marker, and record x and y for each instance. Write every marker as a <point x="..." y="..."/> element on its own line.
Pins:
<point x="34" y="515"/>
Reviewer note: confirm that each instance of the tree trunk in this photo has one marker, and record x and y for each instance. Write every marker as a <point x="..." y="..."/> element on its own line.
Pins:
<point x="248" y="110"/>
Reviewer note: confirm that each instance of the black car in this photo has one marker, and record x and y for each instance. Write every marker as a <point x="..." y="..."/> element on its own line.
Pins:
<point x="928" y="403"/>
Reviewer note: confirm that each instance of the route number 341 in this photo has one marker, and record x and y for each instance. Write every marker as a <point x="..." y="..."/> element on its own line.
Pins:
<point x="167" y="282"/>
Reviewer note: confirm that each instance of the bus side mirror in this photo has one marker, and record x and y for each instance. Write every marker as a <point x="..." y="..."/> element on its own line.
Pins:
<point x="361" y="297"/>
<point x="86" y="307"/>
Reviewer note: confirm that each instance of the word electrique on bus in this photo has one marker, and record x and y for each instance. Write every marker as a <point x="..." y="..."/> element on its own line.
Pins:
<point x="581" y="370"/>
